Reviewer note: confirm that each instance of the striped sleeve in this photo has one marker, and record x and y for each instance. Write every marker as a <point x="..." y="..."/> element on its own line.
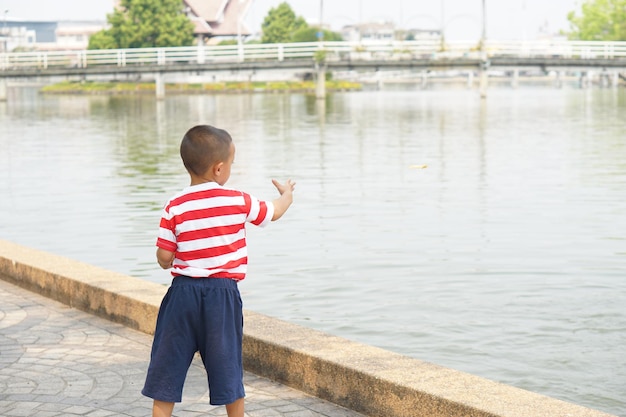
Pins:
<point x="167" y="238"/>
<point x="260" y="213"/>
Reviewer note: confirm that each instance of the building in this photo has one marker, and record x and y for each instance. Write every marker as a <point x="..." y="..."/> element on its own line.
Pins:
<point x="74" y="35"/>
<point x="419" y="35"/>
<point x="385" y="32"/>
<point x="17" y="34"/>
<point x="374" y="31"/>
<point x="29" y="35"/>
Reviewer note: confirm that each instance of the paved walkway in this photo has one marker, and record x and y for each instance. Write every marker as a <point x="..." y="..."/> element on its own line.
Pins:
<point x="58" y="361"/>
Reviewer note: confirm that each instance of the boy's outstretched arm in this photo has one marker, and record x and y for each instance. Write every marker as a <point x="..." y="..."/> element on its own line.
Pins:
<point x="282" y="203"/>
<point x="165" y="258"/>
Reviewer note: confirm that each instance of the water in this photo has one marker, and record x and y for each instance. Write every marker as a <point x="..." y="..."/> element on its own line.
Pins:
<point x="505" y="258"/>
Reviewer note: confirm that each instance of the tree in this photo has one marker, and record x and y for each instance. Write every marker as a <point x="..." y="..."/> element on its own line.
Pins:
<point x="309" y="34"/>
<point x="145" y="24"/>
<point x="280" y="24"/>
<point x="600" y="20"/>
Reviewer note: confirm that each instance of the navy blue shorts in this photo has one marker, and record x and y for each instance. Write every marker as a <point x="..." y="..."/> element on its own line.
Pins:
<point x="198" y="315"/>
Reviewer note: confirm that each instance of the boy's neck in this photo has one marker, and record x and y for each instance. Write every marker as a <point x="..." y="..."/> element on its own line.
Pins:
<point x="196" y="180"/>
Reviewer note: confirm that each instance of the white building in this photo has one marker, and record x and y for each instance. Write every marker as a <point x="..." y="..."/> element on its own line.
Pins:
<point x="74" y="35"/>
<point x="369" y="32"/>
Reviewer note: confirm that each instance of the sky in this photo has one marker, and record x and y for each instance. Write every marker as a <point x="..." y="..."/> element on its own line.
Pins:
<point x="461" y="19"/>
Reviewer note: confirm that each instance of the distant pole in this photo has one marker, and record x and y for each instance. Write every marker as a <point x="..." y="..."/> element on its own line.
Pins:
<point x="360" y="24"/>
<point x="483" y="36"/>
<point x="320" y="33"/>
<point x="483" y="56"/>
<point x="524" y="20"/>
<point x="443" y="25"/>
<point x="239" y="42"/>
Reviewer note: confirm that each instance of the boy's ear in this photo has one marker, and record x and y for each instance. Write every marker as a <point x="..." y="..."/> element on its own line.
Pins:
<point x="217" y="168"/>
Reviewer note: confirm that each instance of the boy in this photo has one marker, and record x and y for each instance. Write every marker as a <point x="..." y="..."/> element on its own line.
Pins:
<point x="202" y="239"/>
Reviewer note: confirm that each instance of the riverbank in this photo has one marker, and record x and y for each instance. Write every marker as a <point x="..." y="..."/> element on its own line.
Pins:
<point x="114" y="87"/>
<point x="360" y="377"/>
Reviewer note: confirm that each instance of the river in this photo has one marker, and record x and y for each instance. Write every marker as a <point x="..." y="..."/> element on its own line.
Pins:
<point x="504" y="257"/>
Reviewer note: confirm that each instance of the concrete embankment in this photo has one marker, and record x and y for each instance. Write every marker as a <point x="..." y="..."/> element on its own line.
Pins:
<point x="363" y="378"/>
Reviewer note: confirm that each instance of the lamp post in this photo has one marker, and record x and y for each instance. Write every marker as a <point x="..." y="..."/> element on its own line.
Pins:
<point x="320" y="33"/>
<point x="320" y="64"/>
<point x="4" y="31"/>
<point x="483" y="36"/>
<point x="239" y="41"/>
<point x="483" y="56"/>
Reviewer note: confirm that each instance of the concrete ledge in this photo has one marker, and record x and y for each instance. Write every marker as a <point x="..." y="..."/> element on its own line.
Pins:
<point x="363" y="378"/>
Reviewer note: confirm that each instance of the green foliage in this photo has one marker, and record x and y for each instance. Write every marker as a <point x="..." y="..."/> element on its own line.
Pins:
<point x="145" y="24"/>
<point x="600" y="20"/>
<point x="280" y="24"/>
<point x="123" y="88"/>
<point x="229" y="42"/>
<point x="320" y="56"/>
<point x="102" y="40"/>
<point x="309" y="34"/>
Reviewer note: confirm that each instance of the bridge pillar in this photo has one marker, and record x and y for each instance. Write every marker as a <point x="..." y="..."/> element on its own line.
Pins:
<point x="424" y="79"/>
<point x="515" y="80"/>
<point x="320" y="85"/>
<point x="605" y="79"/>
<point x="484" y="79"/>
<point x="3" y="89"/>
<point x="585" y="79"/>
<point x="159" y="85"/>
<point x="590" y="75"/>
<point x="470" y="79"/>
<point x="615" y="80"/>
<point x="201" y="57"/>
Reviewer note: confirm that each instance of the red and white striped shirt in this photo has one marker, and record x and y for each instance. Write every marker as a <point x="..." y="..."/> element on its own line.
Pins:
<point x="204" y="225"/>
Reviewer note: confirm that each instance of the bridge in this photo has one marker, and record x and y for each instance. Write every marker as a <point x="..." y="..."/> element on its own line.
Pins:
<point x="249" y="61"/>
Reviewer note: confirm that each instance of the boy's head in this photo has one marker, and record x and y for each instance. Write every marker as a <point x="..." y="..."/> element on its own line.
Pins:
<point x="207" y="153"/>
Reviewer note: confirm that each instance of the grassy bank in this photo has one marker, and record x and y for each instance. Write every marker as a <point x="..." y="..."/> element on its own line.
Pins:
<point x="91" y="87"/>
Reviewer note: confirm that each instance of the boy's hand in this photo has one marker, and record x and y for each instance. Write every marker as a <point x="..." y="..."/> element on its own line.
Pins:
<point x="282" y="203"/>
<point x="282" y="188"/>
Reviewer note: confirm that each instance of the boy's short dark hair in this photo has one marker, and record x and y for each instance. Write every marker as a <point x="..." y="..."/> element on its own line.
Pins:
<point x="203" y="146"/>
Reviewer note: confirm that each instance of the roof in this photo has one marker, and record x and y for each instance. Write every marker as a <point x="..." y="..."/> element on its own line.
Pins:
<point x="200" y="27"/>
<point x="209" y="10"/>
<point x="219" y="17"/>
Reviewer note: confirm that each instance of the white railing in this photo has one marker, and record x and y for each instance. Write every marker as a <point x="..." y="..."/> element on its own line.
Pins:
<point x="334" y="51"/>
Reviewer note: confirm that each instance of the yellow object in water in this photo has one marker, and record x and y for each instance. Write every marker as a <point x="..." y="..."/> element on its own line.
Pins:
<point x="419" y="166"/>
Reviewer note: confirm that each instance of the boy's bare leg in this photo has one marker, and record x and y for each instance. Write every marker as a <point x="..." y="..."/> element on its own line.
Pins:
<point x="162" y="409"/>
<point x="235" y="409"/>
